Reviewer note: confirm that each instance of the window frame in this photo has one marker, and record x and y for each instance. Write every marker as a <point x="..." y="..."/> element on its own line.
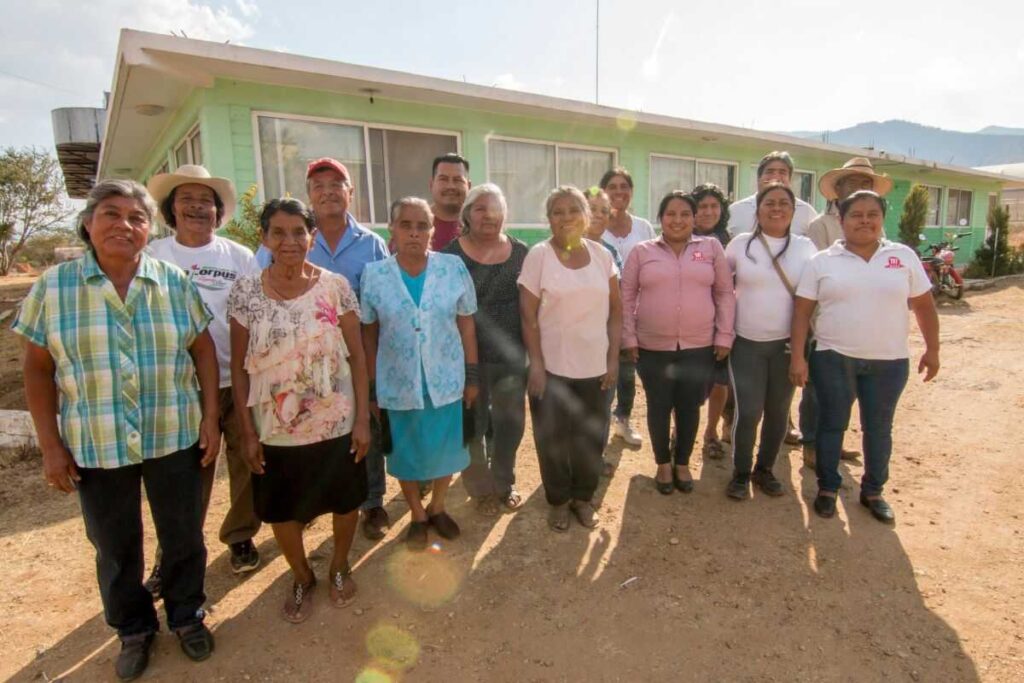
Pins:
<point x="186" y="142"/>
<point x="939" y="213"/>
<point x="653" y="208"/>
<point x="365" y="126"/>
<point x="814" y="185"/>
<point x="614" y="151"/>
<point x="945" y="219"/>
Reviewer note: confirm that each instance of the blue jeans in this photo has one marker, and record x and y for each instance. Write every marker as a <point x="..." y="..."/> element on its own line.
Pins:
<point x="500" y="413"/>
<point x="111" y="501"/>
<point x="876" y="385"/>
<point x="626" y="387"/>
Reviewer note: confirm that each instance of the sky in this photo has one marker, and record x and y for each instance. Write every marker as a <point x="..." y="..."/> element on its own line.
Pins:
<point x="784" y="65"/>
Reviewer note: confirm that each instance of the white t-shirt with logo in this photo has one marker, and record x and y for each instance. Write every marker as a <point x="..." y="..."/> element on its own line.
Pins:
<point x="742" y="215"/>
<point x="764" y="307"/>
<point x="862" y="305"/>
<point x="213" y="268"/>
<point x="640" y="231"/>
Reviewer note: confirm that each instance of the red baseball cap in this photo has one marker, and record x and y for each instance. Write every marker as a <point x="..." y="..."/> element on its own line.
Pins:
<point x="327" y="162"/>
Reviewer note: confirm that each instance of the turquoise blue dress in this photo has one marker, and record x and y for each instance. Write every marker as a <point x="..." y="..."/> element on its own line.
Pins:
<point x="427" y="442"/>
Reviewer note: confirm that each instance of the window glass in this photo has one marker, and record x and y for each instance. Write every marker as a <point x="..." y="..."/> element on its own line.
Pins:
<point x="582" y="168"/>
<point x="668" y="174"/>
<point x="525" y="171"/>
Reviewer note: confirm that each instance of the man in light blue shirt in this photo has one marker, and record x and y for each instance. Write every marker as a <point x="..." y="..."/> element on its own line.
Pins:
<point x="343" y="246"/>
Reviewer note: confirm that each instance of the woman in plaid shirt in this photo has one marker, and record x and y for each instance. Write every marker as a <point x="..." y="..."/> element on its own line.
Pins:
<point x="119" y="339"/>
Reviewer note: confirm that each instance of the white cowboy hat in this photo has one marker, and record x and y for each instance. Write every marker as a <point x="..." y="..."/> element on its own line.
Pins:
<point x="162" y="184"/>
<point x="855" y="166"/>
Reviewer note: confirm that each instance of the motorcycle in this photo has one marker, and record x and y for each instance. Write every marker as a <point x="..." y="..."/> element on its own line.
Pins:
<point x="938" y="264"/>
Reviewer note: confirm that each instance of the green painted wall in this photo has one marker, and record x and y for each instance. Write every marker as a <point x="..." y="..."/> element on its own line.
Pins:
<point x="224" y="113"/>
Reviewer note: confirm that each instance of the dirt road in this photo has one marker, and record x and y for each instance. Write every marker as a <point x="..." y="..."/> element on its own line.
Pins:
<point x="693" y="587"/>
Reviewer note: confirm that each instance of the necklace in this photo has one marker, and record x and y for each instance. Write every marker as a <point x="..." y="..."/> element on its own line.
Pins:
<point x="276" y="292"/>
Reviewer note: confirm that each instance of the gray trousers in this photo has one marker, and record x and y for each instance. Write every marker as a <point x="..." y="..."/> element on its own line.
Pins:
<point x="759" y="374"/>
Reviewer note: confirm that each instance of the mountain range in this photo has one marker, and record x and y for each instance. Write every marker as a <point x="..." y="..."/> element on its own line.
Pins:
<point x="988" y="146"/>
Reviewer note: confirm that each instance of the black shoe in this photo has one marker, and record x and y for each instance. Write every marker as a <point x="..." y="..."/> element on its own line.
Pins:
<point x="766" y="481"/>
<point x="739" y="487"/>
<point x="244" y="557"/>
<point x="134" y="656"/>
<point x="825" y="506"/>
<point x="665" y="488"/>
<point x="416" y="537"/>
<point x="683" y="485"/>
<point x="376" y="523"/>
<point x="880" y="510"/>
<point x="196" y="641"/>
<point x="445" y="525"/>
<point x="154" y="584"/>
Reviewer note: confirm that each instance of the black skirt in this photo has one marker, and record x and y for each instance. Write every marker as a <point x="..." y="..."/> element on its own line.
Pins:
<point x="300" y="483"/>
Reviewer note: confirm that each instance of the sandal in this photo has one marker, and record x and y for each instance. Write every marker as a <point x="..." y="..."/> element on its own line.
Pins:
<point x="512" y="501"/>
<point x="343" y="588"/>
<point x="713" y="450"/>
<point x="487" y="506"/>
<point x="299" y="604"/>
<point x="558" y="518"/>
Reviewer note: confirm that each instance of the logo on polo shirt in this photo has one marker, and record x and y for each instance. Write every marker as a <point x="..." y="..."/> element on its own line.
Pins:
<point x="698" y="256"/>
<point x="894" y="262"/>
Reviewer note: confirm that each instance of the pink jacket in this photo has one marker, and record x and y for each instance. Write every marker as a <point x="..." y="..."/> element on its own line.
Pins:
<point x="683" y="302"/>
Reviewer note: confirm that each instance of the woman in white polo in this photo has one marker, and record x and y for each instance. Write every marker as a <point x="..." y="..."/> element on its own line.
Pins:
<point x="861" y="286"/>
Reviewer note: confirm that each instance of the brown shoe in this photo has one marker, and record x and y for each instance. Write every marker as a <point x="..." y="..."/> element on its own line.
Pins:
<point x="445" y="525"/>
<point x="585" y="513"/>
<point x="558" y="517"/>
<point x="810" y="456"/>
<point x="375" y="523"/>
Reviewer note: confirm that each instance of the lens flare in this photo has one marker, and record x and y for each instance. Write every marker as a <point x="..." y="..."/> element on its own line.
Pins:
<point x="626" y="121"/>
<point x="391" y="648"/>
<point x="427" y="579"/>
<point x="372" y="675"/>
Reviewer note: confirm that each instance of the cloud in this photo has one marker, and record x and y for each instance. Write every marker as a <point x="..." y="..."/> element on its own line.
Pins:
<point x="70" y="62"/>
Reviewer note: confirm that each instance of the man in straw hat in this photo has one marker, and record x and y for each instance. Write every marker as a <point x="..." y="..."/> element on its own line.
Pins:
<point x="835" y="186"/>
<point x="194" y="204"/>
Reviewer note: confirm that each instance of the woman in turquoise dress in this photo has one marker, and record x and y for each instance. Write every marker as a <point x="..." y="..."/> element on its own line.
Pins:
<point x="417" y="310"/>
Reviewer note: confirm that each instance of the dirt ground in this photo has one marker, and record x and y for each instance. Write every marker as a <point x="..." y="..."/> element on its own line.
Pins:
<point x="684" y="587"/>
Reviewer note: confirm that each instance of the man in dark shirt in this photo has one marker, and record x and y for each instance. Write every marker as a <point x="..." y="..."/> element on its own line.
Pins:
<point x="449" y="183"/>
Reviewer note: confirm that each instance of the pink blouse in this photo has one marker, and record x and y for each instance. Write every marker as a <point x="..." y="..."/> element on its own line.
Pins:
<point x="674" y="302"/>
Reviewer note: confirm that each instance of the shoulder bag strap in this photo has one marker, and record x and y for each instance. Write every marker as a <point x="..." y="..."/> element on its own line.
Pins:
<point x="778" y="268"/>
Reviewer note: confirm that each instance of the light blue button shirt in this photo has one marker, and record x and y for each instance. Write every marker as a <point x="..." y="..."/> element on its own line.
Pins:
<point x="358" y="246"/>
<point x="418" y="341"/>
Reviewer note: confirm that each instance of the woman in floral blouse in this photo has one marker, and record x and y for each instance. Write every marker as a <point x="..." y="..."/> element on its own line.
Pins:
<point x="417" y="311"/>
<point x="297" y="362"/>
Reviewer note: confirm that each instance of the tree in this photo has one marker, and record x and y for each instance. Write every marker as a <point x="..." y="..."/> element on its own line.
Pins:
<point x="245" y="229"/>
<point x="915" y="213"/>
<point x="996" y="248"/>
<point x="31" y="199"/>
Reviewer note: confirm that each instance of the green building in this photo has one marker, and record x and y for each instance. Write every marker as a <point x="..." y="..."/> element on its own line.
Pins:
<point x="259" y="116"/>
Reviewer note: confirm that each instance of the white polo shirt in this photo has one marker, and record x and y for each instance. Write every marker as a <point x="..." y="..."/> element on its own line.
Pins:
<point x="742" y="215"/>
<point x="862" y="305"/>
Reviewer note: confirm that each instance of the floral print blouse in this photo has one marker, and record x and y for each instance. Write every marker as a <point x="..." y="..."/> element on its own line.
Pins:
<point x="300" y="385"/>
<point x="417" y="342"/>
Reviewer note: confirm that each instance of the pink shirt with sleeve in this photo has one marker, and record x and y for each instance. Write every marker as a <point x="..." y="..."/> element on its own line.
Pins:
<point x="674" y="302"/>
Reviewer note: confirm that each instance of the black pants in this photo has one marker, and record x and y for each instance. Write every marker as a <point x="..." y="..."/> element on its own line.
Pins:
<point x="500" y="414"/>
<point x="625" y="387"/>
<point x="111" y="506"/>
<point x="675" y="382"/>
<point x="760" y="382"/>
<point x="568" y="424"/>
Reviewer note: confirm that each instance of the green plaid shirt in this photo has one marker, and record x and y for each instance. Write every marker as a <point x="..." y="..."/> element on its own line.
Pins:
<point x="127" y="384"/>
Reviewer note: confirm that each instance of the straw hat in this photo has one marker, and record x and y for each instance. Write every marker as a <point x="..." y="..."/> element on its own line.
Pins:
<point x="855" y="166"/>
<point x="162" y="184"/>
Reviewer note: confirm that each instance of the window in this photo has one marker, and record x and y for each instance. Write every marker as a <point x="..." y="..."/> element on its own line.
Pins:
<point x="934" y="199"/>
<point x="802" y="184"/>
<point x="958" y="207"/>
<point x="679" y="173"/>
<point x="189" y="150"/>
<point x="527" y="171"/>
<point x="385" y="164"/>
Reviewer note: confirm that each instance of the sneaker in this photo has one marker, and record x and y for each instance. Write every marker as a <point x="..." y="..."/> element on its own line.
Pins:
<point x="767" y="482"/>
<point x="134" y="656"/>
<point x="154" y="584"/>
<point x="739" y="487"/>
<point x="376" y="523"/>
<point x="244" y="557"/>
<point x="625" y="431"/>
<point x="196" y="641"/>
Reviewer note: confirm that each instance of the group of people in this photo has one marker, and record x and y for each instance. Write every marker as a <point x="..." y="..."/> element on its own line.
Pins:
<point x="330" y="358"/>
